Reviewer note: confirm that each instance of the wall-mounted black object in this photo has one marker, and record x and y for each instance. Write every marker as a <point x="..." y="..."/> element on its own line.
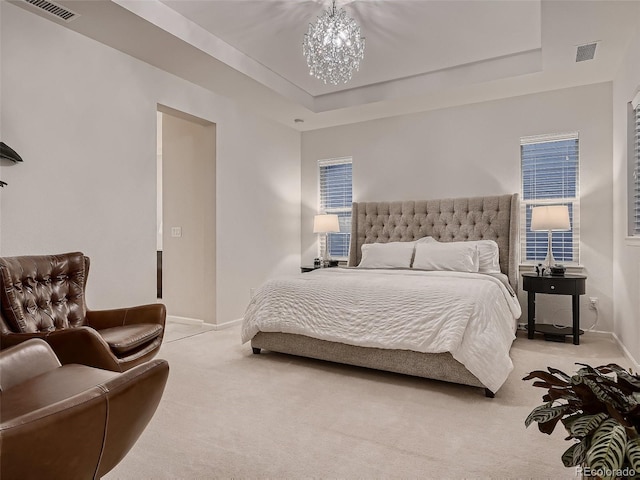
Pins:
<point x="8" y="153"/>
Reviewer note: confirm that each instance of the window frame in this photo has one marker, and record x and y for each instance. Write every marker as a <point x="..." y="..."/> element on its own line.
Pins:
<point x="633" y="170"/>
<point x="340" y="210"/>
<point x="573" y="201"/>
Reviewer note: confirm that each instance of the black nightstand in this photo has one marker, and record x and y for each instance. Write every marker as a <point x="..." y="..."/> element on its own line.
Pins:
<point x="568" y="284"/>
<point x="311" y="268"/>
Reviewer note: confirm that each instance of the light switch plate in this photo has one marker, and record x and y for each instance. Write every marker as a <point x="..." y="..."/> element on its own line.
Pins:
<point x="176" y="231"/>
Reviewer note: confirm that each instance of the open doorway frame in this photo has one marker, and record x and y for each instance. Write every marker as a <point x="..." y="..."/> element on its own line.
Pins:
<point x="186" y="217"/>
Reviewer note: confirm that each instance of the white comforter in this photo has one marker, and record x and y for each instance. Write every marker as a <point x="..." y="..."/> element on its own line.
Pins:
<point x="470" y="315"/>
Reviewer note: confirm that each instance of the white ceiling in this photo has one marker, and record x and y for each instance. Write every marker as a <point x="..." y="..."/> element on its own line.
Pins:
<point x="420" y="54"/>
<point x="397" y="34"/>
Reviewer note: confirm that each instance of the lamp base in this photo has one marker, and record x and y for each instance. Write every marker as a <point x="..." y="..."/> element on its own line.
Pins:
<point x="325" y="258"/>
<point x="549" y="261"/>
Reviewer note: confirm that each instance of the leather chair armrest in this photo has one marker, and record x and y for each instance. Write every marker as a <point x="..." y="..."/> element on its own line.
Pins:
<point x="151" y="313"/>
<point x="82" y="345"/>
<point x="10" y="339"/>
<point x="133" y="397"/>
<point x="24" y="361"/>
<point x="77" y="422"/>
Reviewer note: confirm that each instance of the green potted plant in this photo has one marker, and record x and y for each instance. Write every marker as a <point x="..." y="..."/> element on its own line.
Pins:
<point x="600" y="409"/>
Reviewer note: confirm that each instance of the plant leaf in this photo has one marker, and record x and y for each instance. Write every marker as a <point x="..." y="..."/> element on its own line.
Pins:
<point x="556" y="393"/>
<point x="547" y="377"/>
<point x="547" y="416"/>
<point x="580" y="453"/>
<point x="586" y="369"/>
<point x="632" y="381"/>
<point x="575" y="454"/>
<point x="559" y="373"/>
<point x="608" y="395"/>
<point x="568" y="456"/>
<point x="536" y="413"/>
<point x="608" y="447"/>
<point x="584" y="425"/>
<point x="617" y="416"/>
<point x="633" y="453"/>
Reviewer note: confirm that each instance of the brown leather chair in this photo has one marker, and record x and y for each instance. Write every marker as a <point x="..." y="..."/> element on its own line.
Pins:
<point x="72" y="421"/>
<point x="44" y="297"/>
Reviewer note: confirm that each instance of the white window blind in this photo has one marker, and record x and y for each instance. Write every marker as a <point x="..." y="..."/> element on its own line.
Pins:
<point x="550" y="176"/>
<point x="336" y="194"/>
<point x="634" y="160"/>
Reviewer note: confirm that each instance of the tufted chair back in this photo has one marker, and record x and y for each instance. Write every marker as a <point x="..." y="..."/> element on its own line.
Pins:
<point x="43" y="293"/>
<point x="44" y="297"/>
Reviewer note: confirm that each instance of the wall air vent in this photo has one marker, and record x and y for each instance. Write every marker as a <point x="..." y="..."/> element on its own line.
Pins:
<point x="53" y="9"/>
<point x="586" y="52"/>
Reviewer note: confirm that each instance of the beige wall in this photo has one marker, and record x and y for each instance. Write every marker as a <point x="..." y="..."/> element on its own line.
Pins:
<point x="189" y="203"/>
<point x="626" y="252"/>
<point x="475" y="150"/>
<point x="83" y="117"/>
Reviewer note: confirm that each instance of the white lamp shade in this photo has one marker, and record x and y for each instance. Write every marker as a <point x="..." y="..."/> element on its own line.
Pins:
<point x="550" y="217"/>
<point x="326" y="224"/>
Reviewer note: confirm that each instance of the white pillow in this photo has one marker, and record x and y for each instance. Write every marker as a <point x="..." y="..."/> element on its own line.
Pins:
<point x="488" y="256"/>
<point x="425" y="240"/>
<point x="450" y="256"/>
<point x="387" y="255"/>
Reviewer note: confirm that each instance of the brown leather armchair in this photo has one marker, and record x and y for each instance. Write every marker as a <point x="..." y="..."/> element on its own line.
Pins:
<point x="72" y="421"/>
<point x="44" y="297"/>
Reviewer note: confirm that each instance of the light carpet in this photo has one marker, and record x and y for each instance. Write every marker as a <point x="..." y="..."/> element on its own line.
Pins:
<point x="227" y="413"/>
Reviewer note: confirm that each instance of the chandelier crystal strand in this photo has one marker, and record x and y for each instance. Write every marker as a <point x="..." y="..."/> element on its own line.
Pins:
<point x="333" y="46"/>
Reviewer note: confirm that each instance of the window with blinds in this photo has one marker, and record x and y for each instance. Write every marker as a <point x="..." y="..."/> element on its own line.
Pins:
<point x="634" y="166"/>
<point x="550" y="176"/>
<point x="335" y="198"/>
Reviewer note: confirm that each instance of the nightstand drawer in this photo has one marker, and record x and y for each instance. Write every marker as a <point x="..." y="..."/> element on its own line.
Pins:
<point x="559" y="287"/>
<point x="567" y="285"/>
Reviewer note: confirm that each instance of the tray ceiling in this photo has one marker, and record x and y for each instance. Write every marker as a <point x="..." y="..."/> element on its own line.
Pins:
<point x="420" y="55"/>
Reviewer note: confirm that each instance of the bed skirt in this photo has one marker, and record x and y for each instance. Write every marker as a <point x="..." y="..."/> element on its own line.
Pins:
<point x="436" y="366"/>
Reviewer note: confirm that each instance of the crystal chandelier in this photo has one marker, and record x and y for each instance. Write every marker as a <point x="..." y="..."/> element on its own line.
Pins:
<point x="333" y="46"/>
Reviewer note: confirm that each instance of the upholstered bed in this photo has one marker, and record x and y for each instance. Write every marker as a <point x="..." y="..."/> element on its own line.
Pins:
<point x="447" y="220"/>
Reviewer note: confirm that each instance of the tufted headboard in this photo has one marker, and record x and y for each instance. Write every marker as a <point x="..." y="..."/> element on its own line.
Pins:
<point x="446" y="220"/>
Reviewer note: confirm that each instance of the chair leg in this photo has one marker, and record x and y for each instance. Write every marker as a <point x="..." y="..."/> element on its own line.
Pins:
<point x="256" y="351"/>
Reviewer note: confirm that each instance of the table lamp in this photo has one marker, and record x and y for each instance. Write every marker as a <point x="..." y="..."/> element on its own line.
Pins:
<point x="326" y="224"/>
<point x="550" y="218"/>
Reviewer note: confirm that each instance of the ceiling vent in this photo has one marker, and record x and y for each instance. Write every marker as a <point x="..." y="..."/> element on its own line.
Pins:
<point x="53" y="9"/>
<point x="586" y="52"/>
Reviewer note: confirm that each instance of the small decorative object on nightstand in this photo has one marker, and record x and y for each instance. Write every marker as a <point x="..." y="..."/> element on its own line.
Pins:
<point x="568" y="284"/>
<point x="557" y="270"/>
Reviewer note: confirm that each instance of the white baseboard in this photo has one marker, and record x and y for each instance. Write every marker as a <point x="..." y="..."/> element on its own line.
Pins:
<point x="184" y="320"/>
<point x="634" y="364"/>
<point x="627" y="353"/>
<point x="228" y="324"/>
<point x="195" y="321"/>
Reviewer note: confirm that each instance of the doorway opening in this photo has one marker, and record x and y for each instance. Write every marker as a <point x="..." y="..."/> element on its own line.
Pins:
<point x="186" y="218"/>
